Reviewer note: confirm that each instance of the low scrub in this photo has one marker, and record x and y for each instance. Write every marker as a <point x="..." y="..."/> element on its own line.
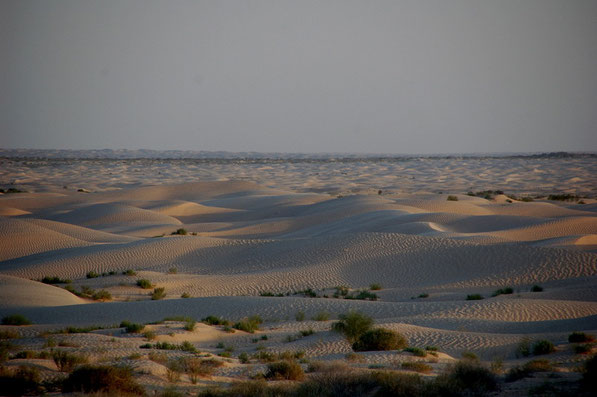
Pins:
<point x="580" y="337"/>
<point x="474" y="297"/>
<point x="214" y="320"/>
<point x="180" y="232"/>
<point x="144" y="283"/>
<point x="417" y="366"/>
<point x="15" y="319"/>
<point x="416" y="351"/>
<point x="543" y="347"/>
<point x="523" y="371"/>
<point x="379" y="339"/>
<point x="503" y="291"/>
<point x="132" y="328"/>
<point x="158" y="293"/>
<point x="466" y="378"/>
<point x="287" y="370"/>
<point x="250" y="324"/>
<point x="353" y="325"/>
<point x="195" y="368"/>
<point x="103" y="379"/>
<point x="452" y="198"/>
<point x="536" y="288"/>
<point x="55" y="280"/>
<point x="66" y="361"/>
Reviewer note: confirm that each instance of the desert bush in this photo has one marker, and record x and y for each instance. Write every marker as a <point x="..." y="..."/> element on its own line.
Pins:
<point x="132" y="328"/>
<point x="190" y="324"/>
<point x="474" y="297"/>
<point x="321" y="316"/>
<point x="582" y="348"/>
<point x="375" y="287"/>
<point x="180" y="232"/>
<point x="185" y="295"/>
<point x="92" y="274"/>
<point x="543" y="347"/>
<point x="9" y="334"/>
<point x="213" y="320"/>
<point x="416" y="366"/>
<point x="144" y="283"/>
<point x="174" y="368"/>
<point x="264" y="356"/>
<point x="15" y="319"/>
<point x="452" y="198"/>
<point x="284" y="370"/>
<point x="469" y="356"/>
<point x="466" y="378"/>
<point x="416" y="351"/>
<point x="353" y="325"/>
<point x="243" y="358"/>
<point x="23" y="381"/>
<point x="536" y="288"/>
<point x="158" y="357"/>
<point x="102" y="295"/>
<point x="306" y="332"/>
<point x="423" y="295"/>
<point x="187" y="346"/>
<point x="250" y="324"/>
<point x="172" y="270"/>
<point x="523" y="371"/>
<point x="503" y="291"/>
<point x="363" y="295"/>
<point x="55" y="280"/>
<point x="341" y="290"/>
<point x="523" y="349"/>
<point x="378" y="340"/>
<point x="158" y="293"/>
<point x="66" y="361"/>
<point x="106" y="379"/>
<point x="149" y="335"/>
<point x="580" y="337"/>
<point x="129" y="272"/>
<point x="432" y="348"/>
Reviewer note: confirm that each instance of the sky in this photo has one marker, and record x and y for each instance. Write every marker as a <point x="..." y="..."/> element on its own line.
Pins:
<point x="420" y="76"/>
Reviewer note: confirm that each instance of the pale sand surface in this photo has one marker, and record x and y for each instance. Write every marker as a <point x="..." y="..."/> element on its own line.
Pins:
<point x="295" y="226"/>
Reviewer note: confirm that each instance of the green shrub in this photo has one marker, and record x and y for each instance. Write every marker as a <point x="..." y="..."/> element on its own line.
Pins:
<point x="187" y="346"/>
<point x="353" y="325"/>
<point x="523" y="349"/>
<point x="66" y="361"/>
<point x="321" y="316"/>
<point x="417" y="366"/>
<point x="158" y="293"/>
<point x="132" y="328"/>
<point x="364" y="295"/>
<point x="107" y="379"/>
<point x="432" y="348"/>
<point x="102" y="295"/>
<point x="466" y="378"/>
<point x="250" y="324"/>
<point x="284" y="370"/>
<point x="15" y="319"/>
<point x="375" y="287"/>
<point x="416" y="351"/>
<point x="92" y="274"/>
<point x="213" y="320"/>
<point x="519" y="372"/>
<point x="543" y="347"/>
<point x="190" y="324"/>
<point x="536" y="288"/>
<point x="474" y="297"/>
<point x="423" y="295"/>
<point x="582" y="349"/>
<point x="129" y="272"/>
<point x="180" y="232"/>
<point x="378" y="340"/>
<point x="243" y="358"/>
<point x="185" y="295"/>
<point x="306" y="332"/>
<point x="503" y="291"/>
<point x="144" y="283"/>
<point x="452" y="198"/>
<point x="172" y="270"/>
<point x="55" y="280"/>
<point x="580" y="337"/>
<point x="469" y="356"/>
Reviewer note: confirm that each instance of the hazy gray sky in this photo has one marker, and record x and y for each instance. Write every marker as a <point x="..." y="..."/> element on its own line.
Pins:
<point x="418" y="76"/>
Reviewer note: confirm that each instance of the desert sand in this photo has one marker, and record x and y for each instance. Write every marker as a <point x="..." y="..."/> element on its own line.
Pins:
<point x="281" y="228"/>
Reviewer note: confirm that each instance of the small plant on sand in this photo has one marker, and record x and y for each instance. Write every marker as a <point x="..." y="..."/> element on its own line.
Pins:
<point x="55" y="280"/>
<point x="172" y="270"/>
<point x="465" y="378"/>
<point x="523" y="349"/>
<point x="214" y="320"/>
<point x="132" y="328"/>
<point x="243" y="358"/>
<point x="287" y="370"/>
<point x="543" y="347"/>
<point x="580" y="337"/>
<point x="101" y="295"/>
<point x="144" y="283"/>
<point x="250" y="324"/>
<point x="299" y="316"/>
<point x="474" y="297"/>
<point x="174" y="367"/>
<point x="106" y="380"/>
<point x="523" y="371"/>
<point x="180" y="232"/>
<point x="158" y="293"/>
<point x="380" y="339"/>
<point x="92" y="274"/>
<point x="15" y="319"/>
<point x="185" y="295"/>
<point x="417" y="366"/>
<point x="149" y="335"/>
<point x="322" y="316"/>
<point x="452" y="198"/>
<point x="129" y="272"/>
<point x="416" y="351"/>
<point x="536" y="288"/>
<point x="375" y="287"/>
<point x="503" y="291"/>
<point x="353" y="325"/>
<point x="66" y="361"/>
<point x="190" y="324"/>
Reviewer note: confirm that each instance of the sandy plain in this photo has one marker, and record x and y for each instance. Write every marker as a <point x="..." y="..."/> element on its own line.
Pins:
<point x="280" y="227"/>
